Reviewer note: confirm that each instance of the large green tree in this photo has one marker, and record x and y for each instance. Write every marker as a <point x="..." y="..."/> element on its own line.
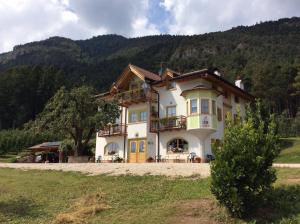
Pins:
<point x="78" y="113"/>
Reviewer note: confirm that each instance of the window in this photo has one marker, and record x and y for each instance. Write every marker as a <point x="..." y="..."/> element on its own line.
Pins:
<point x="219" y="114"/>
<point x="204" y="106"/>
<point x="194" y="106"/>
<point x="143" y="116"/>
<point x="133" y="117"/>
<point x="111" y="149"/>
<point x="171" y="111"/>
<point x="177" y="145"/>
<point x="213" y="109"/>
<point x="133" y="147"/>
<point x="142" y="146"/>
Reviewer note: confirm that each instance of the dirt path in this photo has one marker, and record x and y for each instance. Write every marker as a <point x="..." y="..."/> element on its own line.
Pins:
<point x="167" y="169"/>
<point x="287" y="165"/>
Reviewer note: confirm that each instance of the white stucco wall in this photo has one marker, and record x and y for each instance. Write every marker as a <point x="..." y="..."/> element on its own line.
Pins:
<point x="101" y="142"/>
<point x="193" y="141"/>
<point x="173" y="97"/>
<point x="200" y="143"/>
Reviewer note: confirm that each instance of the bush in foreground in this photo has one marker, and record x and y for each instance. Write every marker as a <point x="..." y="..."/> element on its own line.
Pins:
<point x="242" y="173"/>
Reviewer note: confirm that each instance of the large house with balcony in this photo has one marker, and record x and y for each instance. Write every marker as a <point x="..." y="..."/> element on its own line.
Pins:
<point x="168" y="117"/>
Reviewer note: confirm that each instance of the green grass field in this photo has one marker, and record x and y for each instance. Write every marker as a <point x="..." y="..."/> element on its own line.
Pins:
<point x="290" y="152"/>
<point x="67" y="197"/>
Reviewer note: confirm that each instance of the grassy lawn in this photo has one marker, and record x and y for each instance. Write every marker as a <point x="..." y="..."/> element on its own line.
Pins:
<point x="60" y="197"/>
<point x="290" y="151"/>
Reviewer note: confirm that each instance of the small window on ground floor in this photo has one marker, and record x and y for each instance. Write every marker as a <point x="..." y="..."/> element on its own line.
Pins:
<point x="111" y="149"/>
<point x="177" y="145"/>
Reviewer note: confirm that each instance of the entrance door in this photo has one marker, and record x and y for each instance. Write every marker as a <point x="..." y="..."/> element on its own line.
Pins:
<point x="137" y="151"/>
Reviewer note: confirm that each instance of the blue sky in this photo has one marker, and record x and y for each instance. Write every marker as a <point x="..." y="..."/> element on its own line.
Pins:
<point x="23" y="21"/>
<point x="158" y="15"/>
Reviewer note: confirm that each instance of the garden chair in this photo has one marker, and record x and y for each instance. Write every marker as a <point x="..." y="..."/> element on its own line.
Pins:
<point x="99" y="159"/>
<point x="191" y="157"/>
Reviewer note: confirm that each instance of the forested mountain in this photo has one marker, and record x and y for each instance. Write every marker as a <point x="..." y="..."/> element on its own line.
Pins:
<point x="267" y="55"/>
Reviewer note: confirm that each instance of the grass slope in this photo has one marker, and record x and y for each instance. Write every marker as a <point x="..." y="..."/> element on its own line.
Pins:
<point x="60" y="197"/>
<point x="290" y="152"/>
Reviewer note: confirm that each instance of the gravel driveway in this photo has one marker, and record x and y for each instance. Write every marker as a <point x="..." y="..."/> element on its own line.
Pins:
<point x="167" y="169"/>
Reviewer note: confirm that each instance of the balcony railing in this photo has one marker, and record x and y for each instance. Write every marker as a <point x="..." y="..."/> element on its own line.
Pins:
<point x="135" y="96"/>
<point x="112" y="130"/>
<point x="168" y="123"/>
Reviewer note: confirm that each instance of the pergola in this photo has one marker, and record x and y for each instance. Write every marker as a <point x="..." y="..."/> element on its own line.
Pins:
<point x="46" y="147"/>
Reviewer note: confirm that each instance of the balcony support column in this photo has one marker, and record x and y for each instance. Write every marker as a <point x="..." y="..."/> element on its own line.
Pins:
<point x="202" y="140"/>
<point x="125" y="136"/>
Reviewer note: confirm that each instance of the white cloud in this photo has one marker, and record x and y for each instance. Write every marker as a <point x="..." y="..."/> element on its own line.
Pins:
<point x="201" y="16"/>
<point x="23" y="21"/>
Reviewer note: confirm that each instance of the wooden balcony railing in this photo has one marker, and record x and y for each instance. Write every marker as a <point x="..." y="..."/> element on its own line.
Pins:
<point x="112" y="130"/>
<point x="135" y="96"/>
<point x="168" y="123"/>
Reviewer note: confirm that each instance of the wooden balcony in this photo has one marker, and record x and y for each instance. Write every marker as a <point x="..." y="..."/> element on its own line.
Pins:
<point x="113" y="130"/>
<point x="168" y="123"/>
<point x="127" y="98"/>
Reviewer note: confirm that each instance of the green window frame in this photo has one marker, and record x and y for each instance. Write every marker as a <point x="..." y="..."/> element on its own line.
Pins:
<point x="204" y="106"/>
<point x="194" y="106"/>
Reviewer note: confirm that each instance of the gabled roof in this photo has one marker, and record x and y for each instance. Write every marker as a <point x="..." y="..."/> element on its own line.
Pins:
<point x="170" y="73"/>
<point x="147" y="74"/>
<point x="139" y="72"/>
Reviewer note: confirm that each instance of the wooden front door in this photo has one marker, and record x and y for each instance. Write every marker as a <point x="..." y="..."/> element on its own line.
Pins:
<point x="137" y="151"/>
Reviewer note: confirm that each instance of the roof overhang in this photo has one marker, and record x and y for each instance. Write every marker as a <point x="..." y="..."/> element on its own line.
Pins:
<point x="215" y="79"/>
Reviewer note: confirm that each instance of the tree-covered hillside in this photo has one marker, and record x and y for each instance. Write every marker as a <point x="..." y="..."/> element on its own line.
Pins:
<point x="266" y="54"/>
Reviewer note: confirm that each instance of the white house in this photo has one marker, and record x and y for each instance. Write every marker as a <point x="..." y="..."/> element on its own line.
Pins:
<point x="170" y="116"/>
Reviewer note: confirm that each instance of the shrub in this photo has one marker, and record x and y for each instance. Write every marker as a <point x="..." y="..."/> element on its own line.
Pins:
<point x="242" y="173"/>
<point x="13" y="160"/>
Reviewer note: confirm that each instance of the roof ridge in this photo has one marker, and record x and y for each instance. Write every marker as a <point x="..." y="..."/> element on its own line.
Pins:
<point x="146" y="73"/>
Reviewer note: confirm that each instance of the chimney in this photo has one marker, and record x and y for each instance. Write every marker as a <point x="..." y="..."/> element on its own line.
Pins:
<point x="239" y="83"/>
<point x="217" y="72"/>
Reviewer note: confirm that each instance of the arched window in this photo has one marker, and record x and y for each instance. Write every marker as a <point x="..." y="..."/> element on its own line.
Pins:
<point x="111" y="149"/>
<point x="177" y="145"/>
